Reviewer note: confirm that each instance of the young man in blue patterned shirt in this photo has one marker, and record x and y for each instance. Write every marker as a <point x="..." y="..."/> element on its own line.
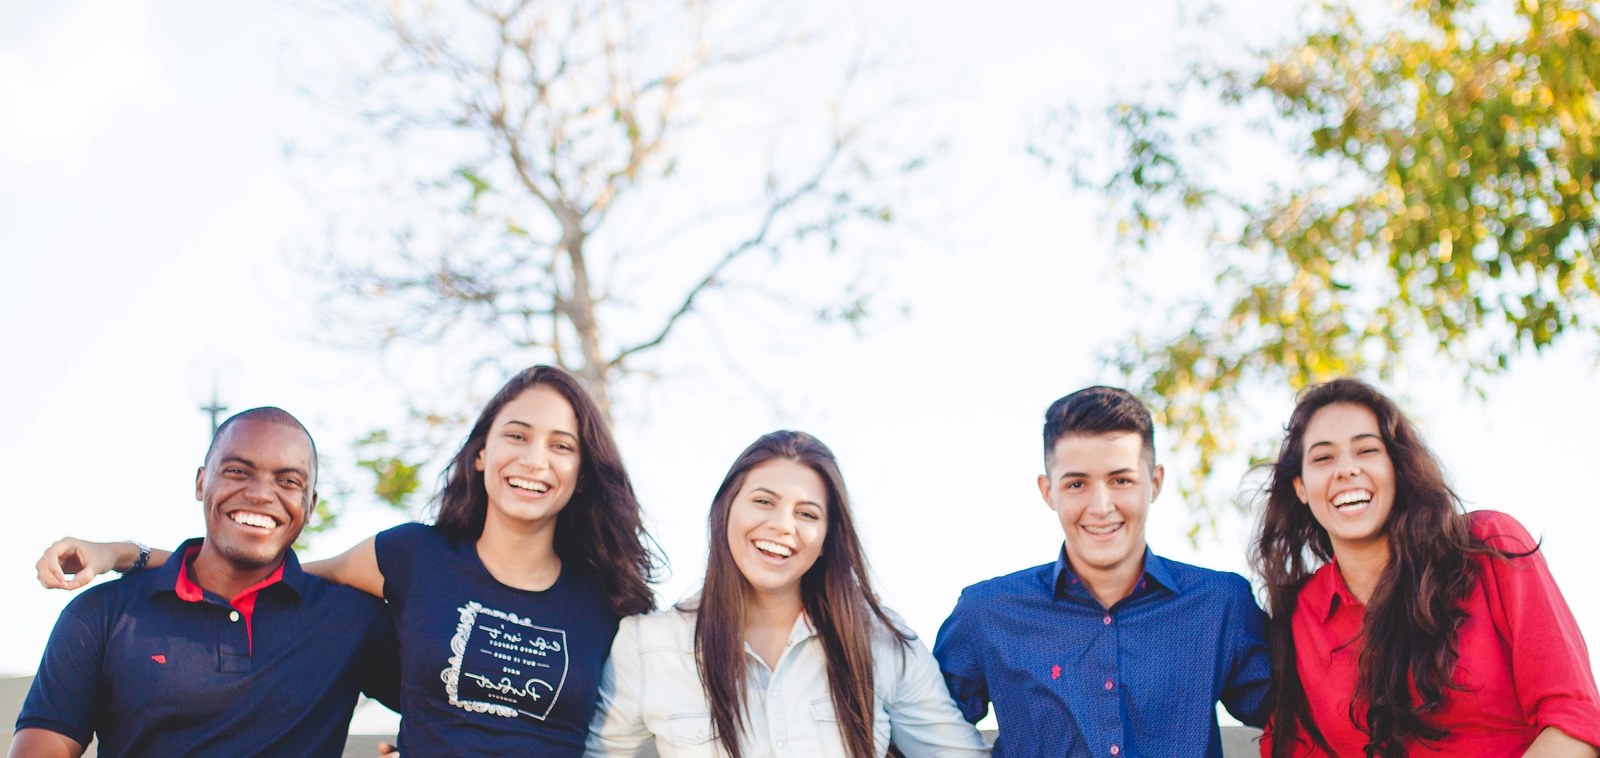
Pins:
<point x="1110" y="650"/>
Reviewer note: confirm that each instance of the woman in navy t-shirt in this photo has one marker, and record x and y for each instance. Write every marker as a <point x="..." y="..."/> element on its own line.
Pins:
<point x="506" y="606"/>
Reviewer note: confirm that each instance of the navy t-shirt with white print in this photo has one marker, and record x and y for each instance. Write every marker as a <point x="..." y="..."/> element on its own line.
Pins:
<point x="488" y="669"/>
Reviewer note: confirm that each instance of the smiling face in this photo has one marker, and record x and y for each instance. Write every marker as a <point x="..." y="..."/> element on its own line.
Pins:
<point x="257" y="486"/>
<point x="1346" y="476"/>
<point x="1100" y="487"/>
<point x="530" y="459"/>
<point x="776" y="526"/>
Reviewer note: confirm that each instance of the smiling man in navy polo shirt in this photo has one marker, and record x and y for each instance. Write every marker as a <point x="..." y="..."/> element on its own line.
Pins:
<point x="1110" y="650"/>
<point x="231" y="650"/>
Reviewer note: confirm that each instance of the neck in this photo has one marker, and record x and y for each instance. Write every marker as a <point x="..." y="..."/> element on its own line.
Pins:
<point x="220" y="576"/>
<point x="1110" y="586"/>
<point x="1362" y="566"/>
<point x="767" y="611"/>
<point x="522" y="558"/>
<point x="768" y="621"/>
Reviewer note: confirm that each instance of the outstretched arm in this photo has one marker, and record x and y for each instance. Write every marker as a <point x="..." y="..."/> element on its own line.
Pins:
<point x="86" y="560"/>
<point x="356" y="567"/>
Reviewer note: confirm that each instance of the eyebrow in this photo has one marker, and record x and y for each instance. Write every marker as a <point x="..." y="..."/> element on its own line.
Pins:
<point x="1085" y="474"/>
<point x="247" y="462"/>
<point x="512" y="421"/>
<point x="1361" y="436"/>
<point x="776" y="494"/>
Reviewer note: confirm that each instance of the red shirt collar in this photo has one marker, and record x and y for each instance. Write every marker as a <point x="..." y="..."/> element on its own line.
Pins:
<point x="244" y="601"/>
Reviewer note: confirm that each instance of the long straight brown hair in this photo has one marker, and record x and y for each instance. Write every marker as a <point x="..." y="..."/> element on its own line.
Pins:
<point x="836" y="593"/>
<point x="1409" y="632"/>
<point x="600" y="529"/>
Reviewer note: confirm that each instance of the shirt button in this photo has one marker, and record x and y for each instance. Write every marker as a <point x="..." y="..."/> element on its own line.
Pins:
<point x="233" y="616"/>
<point x="1108" y="684"/>
<point x="1108" y="619"/>
<point x="1114" y="749"/>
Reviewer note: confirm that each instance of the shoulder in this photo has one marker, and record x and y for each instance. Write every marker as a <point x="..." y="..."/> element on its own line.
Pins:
<point x="409" y="534"/>
<point x="1501" y="531"/>
<point x="337" y="597"/>
<point x="669" y="627"/>
<point x="1189" y="577"/>
<point x="111" y="598"/>
<point x="1018" y="583"/>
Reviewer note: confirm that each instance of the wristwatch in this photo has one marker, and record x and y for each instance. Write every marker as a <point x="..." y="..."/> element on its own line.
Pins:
<point x="143" y="559"/>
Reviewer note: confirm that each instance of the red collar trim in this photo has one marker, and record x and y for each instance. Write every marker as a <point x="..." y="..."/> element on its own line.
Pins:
<point x="244" y="601"/>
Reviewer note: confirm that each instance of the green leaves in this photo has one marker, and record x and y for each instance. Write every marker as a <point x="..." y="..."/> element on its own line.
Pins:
<point x="1444" y="204"/>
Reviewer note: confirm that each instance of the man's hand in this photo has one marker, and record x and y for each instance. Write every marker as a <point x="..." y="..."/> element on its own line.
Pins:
<point x="83" y="560"/>
<point x="386" y="750"/>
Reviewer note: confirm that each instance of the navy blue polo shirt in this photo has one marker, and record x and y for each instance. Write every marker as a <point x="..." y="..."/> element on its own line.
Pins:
<point x="1069" y="677"/>
<point x="152" y="665"/>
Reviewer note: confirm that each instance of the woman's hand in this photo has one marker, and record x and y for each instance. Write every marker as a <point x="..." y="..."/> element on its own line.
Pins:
<point x="83" y="560"/>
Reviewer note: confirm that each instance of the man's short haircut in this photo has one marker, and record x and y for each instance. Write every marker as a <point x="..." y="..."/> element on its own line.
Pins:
<point x="271" y="415"/>
<point x="1093" y="411"/>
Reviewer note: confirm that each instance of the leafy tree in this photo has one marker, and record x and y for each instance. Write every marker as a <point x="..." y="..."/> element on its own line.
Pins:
<point x="1437" y="197"/>
<point x="545" y="200"/>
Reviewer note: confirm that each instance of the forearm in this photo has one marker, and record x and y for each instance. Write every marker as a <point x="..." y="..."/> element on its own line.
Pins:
<point x="1554" y="743"/>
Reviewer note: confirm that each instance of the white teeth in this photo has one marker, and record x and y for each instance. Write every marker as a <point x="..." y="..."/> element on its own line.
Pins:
<point x="1102" y="529"/>
<point x="1353" y="496"/>
<point x="774" y="548"/>
<point x="253" y="519"/>
<point x="532" y="486"/>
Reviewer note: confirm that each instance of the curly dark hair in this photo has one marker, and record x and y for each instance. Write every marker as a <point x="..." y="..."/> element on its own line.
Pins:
<point x="1409" y="631"/>
<point x="600" y="529"/>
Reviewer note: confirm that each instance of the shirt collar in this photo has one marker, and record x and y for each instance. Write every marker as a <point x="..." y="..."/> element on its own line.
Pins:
<point x="1326" y="592"/>
<point x="170" y="577"/>
<point x="1157" y="573"/>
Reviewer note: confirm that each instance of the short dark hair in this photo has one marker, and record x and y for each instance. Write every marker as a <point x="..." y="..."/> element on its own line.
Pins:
<point x="270" y="415"/>
<point x="1099" y="410"/>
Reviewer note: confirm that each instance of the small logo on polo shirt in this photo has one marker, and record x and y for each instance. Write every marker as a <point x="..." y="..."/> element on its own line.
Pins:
<point x="1055" y="672"/>
<point x="158" y="658"/>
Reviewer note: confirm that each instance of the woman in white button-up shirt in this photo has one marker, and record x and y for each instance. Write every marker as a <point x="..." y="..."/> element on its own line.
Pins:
<point x="799" y="659"/>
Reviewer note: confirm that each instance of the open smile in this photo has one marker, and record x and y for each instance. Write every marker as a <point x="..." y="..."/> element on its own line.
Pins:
<point x="258" y="522"/>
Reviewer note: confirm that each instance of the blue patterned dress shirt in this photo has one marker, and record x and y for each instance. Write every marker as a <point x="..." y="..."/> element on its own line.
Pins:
<point x="1069" y="677"/>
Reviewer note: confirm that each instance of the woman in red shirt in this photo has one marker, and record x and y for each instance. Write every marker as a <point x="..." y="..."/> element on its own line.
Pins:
<point x="1400" y="624"/>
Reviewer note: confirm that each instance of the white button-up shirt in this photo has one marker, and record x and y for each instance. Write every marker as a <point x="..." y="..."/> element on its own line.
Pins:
<point x="652" y="701"/>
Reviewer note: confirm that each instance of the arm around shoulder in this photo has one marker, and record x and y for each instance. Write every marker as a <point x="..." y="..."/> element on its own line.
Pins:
<point x="85" y="560"/>
<point x="923" y="718"/>
<point x="356" y="567"/>
<point x="43" y="743"/>
<point x="1244" y="692"/>
<point x="618" y="728"/>
<point x="959" y="651"/>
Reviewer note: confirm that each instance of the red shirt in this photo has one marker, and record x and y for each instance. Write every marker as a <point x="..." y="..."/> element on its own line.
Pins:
<point x="1522" y="665"/>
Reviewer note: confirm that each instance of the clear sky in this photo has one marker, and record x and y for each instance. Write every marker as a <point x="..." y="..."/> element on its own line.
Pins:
<point x="151" y="228"/>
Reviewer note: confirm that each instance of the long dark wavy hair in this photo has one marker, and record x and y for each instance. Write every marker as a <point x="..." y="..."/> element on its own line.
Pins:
<point x="1409" y="631"/>
<point x="836" y="592"/>
<point x="600" y="529"/>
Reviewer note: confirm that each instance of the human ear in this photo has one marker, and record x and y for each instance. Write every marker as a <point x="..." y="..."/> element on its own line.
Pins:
<point x="1157" y="475"/>
<point x="1300" y="490"/>
<point x="1044" y="491"/>
<point x="200" y="483"/>
<point x="477" y="463"/>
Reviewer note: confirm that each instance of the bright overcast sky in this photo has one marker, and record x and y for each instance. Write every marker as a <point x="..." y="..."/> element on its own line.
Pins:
<point x="150" y="228"/>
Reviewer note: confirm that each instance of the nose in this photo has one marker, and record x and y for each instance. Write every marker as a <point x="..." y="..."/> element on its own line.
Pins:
<point x="783" y="520"/>
<point x="535" y="457"/>
<point x="260" y="489"/>
<point x="1100" y="500"/>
